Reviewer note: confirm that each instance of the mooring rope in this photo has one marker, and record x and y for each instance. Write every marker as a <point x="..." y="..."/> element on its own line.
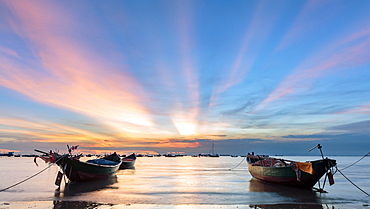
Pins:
<point x="353" y="183"/>
<point x="238" y="164"/>
<point x="29" y="177"/>
<point x="356" y="161"/>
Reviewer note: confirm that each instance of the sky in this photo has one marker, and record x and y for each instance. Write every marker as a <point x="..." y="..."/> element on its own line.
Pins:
<point x="158" y="76"/>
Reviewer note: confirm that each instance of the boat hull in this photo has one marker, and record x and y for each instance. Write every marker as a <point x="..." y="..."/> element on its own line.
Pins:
<point x="128" y="162"/>
<point x="77" y="171"/>
<point x="290" y="177"/>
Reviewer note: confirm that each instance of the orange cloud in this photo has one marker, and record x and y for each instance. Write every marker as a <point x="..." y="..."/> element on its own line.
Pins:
<point x="8" y="150"/>
<point x="18" y="129"/>
<point x="180" y="144"/>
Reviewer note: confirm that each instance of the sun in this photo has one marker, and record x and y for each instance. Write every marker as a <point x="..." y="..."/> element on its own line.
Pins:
<point x="185" y="128"/>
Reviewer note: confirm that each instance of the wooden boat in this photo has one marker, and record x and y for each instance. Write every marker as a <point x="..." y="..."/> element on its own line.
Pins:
<point x="77" y="170"/>
<point x="128" y="162"/>
<point x="48" y="158"/>
<point x="289" y="173"/>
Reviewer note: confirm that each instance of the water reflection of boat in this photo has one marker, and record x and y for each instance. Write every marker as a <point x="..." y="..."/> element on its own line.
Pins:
<point x="300" y="197"/>
<point x="294" y="193"/>
<point x="288" y="206"/>
<point x="74" y="188"/>
<point x="59" y="204"/>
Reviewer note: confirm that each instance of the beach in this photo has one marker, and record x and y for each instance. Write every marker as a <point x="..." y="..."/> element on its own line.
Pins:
<point x="181" y="182"/>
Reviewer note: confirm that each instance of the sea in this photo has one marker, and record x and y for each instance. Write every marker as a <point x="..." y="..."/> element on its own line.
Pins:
<point x="180" y="182"/>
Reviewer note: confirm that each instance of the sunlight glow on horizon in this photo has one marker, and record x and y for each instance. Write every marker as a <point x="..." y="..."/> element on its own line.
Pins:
<point x="185" y="128"/>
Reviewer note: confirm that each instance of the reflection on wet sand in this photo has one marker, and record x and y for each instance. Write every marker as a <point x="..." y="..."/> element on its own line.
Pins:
<point x="305" y="198"/>
<point x="74" y="188"/>
<point x="126" y="171"/>
<point x="287" y="206"/>
<point x="77" y="204"/>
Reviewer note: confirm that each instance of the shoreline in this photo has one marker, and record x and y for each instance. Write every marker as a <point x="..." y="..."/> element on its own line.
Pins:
<point x="56" y="204"/>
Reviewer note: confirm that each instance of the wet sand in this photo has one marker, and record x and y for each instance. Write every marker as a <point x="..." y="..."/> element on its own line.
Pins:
<point x="91" y="205"/>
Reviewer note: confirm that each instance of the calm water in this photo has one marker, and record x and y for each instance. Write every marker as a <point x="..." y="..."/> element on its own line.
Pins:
<point x="181" y="182"/>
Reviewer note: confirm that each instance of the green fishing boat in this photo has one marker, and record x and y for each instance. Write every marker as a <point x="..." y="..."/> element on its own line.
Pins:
<point x="288" y="172"/>
<point x="77" y="171"/>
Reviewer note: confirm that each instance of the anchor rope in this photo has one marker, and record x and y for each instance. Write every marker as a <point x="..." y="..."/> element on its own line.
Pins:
<point x="353" y="183"/>
<point x="2" y="190"/>
<point x="356" y="161"/>
<point x="238" y="164"/>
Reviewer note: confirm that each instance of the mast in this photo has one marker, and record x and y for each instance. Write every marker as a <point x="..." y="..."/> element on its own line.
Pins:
<point x="213" y="149"/>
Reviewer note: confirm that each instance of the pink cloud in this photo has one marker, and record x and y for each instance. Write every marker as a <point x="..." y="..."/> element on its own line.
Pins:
<point x="9" y="52"/>
<point x="363" y="109"/>
<point x="73" y="76"/>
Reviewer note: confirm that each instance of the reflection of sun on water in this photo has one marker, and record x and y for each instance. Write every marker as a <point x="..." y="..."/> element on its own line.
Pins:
<point x="185" y="128"/>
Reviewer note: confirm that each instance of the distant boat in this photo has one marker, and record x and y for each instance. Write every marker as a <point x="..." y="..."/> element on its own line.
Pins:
<point x="8" y="154"/>
<point x="212" y="152"/>
<point x="289" y="173"/>
<point x="77" y="171"/>
<point x="128" y="162"/>
<point x="169" y="155"/>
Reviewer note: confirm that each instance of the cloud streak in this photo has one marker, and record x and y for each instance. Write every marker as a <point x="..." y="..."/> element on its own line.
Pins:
<point x="255" y="34"/>
<point x="348" y="52"/>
